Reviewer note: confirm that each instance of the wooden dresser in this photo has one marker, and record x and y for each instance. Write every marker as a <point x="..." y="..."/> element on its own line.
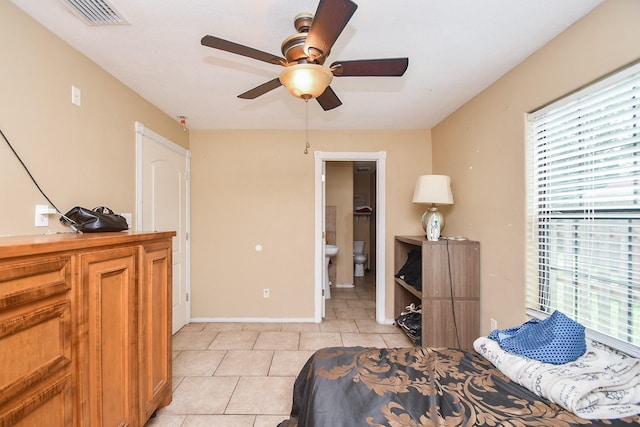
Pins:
<point x="85" y="329"/>
<point x="450" y="294"/>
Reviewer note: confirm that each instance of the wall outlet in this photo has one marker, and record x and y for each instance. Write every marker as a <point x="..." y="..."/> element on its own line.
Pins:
<point x="128" y="217"/>
<point x="42" y="215"/>
<point x="265" y="292"/>
<point x="494" y="324"/>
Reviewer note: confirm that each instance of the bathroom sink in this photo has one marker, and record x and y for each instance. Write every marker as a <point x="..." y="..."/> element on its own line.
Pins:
<point x="330" y="250"/>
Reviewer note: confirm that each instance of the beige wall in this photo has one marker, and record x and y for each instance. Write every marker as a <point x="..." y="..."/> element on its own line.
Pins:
<point x="248" y="188"/>
<point x="482" y="146"/>
<point x="257" y="187"/>
<point x="339" y="193"/>
<point x="364" y="184"/>
<point x="79" y="155"/>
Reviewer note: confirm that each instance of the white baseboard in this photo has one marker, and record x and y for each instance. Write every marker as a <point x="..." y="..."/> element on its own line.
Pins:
<point x="253" y="319"/>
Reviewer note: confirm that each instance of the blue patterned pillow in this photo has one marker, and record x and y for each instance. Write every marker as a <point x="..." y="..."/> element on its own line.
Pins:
<point x="556" y="339"/>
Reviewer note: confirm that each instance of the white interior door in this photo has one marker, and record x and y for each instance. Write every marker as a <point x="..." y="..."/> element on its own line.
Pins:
<point x="163" y="205"/>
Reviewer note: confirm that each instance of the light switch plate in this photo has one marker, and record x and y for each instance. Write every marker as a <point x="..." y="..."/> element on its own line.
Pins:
<point x="76" y="96"/>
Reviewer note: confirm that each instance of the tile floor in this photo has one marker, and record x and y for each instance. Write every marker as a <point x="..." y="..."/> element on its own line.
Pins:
<point x="242" y="374"/>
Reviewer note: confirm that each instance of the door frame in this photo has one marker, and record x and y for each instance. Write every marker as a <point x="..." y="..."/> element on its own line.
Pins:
<point x="380" y="157"/>
<point x="141" y="131"/>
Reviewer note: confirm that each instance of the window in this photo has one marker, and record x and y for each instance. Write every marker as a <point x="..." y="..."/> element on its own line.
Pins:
<point x="583" y="235"/>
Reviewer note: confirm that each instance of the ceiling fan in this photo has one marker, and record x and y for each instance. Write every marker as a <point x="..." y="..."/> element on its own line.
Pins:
<point x="305" y="52"/>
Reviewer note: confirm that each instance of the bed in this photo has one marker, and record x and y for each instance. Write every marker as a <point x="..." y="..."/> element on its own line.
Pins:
<point x="418" y="386"/>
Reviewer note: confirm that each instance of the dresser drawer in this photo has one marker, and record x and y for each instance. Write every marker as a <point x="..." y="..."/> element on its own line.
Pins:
<point x="36" y="345"/>
<point x="27" y="281"/>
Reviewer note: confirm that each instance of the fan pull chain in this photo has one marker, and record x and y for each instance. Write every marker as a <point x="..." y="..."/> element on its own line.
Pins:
<point x="306" y="126"/>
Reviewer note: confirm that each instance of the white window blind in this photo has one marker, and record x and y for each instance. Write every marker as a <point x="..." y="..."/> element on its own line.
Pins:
<point x="583" y="173"/>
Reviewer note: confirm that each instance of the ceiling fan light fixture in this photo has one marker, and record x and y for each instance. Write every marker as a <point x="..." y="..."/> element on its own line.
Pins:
<point x="306" y="80"/>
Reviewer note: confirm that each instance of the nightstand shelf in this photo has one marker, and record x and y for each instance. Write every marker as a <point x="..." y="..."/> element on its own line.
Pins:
<point x="450" y="294"/>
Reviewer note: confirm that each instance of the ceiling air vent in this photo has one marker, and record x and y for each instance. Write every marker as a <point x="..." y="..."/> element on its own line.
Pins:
<point x="96" y="12"/>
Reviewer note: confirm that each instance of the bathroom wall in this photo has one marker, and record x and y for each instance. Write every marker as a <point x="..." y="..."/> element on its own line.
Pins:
<point x="330" y="236"/>
<point x="364" y="225"/>
<point x="339" y="193"/>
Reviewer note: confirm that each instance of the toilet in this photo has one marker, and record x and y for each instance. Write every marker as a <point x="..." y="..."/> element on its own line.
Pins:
<point x="359" y="257"/>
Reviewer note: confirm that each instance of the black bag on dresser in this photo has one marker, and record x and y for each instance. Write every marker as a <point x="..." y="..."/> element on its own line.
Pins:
<point x="96" y="220"/>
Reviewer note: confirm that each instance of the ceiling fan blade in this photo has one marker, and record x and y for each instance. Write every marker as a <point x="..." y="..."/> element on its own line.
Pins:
<point x="239" y="49"/>
<point x="328" y="22"/>
<point x="389" y="67"/>
<point x="261" y="90"/>
<point x="329" y="100"/>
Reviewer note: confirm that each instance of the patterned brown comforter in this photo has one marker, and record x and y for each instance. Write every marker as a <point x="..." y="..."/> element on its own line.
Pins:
<point x="356" y="386"/>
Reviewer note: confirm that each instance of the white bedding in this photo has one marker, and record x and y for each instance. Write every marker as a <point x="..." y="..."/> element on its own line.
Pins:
<point x="599" y="384"/>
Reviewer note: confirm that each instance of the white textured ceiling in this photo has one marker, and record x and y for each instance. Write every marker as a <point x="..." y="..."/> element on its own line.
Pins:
<point x="456" y="48"/>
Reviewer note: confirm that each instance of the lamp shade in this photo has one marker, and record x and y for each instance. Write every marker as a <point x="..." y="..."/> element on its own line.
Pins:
<point x="306" y="80"/>
<point x="433" y="189"/>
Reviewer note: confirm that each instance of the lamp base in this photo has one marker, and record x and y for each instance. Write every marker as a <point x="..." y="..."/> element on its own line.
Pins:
<point x="432" y="223"/>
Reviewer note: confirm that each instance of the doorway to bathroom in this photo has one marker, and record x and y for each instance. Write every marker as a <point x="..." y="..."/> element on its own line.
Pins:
<point x="369" y="226"/>
<point x="350" y="197"/>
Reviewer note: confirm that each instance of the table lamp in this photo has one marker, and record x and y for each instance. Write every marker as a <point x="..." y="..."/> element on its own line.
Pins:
<point x="433" y="189"/>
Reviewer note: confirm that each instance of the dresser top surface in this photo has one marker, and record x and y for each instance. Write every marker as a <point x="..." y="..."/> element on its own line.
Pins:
<point x="12" y="246"/>
<point x="420" y="240"/>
